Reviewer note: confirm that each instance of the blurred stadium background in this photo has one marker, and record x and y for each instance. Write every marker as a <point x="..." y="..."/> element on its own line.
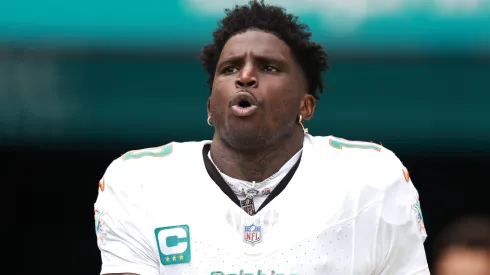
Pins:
<point x="82" y="82"/>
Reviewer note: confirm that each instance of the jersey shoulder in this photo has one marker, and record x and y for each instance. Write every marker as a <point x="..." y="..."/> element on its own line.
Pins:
<point x="375" y="164"/>
<point x="172" y="150"/>
<point x="166" y="154"/>
<point x="361" y="152"/>
<point x="134" y="166"/>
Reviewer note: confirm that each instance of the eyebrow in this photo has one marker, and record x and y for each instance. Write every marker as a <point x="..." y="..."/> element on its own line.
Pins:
<point x="233" y="59"/>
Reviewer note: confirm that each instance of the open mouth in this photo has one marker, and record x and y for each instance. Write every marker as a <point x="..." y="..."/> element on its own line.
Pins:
<point x="243" y="104"/>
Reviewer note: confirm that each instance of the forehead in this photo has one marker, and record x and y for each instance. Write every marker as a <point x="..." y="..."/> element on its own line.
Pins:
<point x="256" y="42"/>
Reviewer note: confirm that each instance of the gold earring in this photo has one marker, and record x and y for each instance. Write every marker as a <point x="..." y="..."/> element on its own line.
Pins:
<point x="209" y="121"/>
<point x="300" y="121"/>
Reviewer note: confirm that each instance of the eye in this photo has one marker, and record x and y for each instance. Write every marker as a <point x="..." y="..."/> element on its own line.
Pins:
<point x="270" y="69"/>
<point x="229" y="70"/>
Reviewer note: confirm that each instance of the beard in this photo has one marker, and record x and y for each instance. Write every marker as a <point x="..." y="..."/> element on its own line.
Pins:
<point x="253" y="136"/>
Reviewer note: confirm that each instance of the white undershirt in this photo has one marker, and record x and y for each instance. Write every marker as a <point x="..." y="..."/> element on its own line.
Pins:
<point x="265" y="187"/>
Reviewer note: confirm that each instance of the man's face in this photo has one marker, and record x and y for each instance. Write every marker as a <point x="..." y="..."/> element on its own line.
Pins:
<point x="258" y="91"/>
<point x="463" y="261"/>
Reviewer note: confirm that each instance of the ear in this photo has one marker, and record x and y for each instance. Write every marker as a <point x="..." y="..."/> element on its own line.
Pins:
<point x="307" y="106"/>
<point x="209" y="106"/>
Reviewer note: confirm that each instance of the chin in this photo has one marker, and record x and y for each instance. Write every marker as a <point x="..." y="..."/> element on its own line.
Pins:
<point x="246" y="140"/>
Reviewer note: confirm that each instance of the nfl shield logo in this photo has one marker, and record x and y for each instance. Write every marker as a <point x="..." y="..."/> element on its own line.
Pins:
<point x="252" y="234"/>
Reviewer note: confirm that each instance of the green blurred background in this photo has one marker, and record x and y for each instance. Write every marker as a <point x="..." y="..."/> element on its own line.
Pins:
<point x="430" y="103"/>
<point x="411" y="75"/>
<point x="82" y="82"/>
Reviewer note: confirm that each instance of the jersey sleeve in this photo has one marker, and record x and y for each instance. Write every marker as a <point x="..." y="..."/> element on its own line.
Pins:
<point x="122" y="244"/>
<point x="401" y="232"/>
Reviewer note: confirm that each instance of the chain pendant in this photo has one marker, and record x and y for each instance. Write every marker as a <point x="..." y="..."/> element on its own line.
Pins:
<point x="248" y="205"/>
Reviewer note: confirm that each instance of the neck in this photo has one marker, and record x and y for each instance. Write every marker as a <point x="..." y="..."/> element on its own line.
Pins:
<point x="256" y="165"/>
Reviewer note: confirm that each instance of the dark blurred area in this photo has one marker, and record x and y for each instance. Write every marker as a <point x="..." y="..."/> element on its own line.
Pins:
<point x="463" y="247"/>
<point x="87" y="82"/>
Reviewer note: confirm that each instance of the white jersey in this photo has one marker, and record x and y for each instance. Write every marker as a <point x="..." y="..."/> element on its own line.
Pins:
<point x="350" y="208"/>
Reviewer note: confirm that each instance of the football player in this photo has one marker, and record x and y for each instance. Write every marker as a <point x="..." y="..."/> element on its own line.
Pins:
<point x="263" y="197"/>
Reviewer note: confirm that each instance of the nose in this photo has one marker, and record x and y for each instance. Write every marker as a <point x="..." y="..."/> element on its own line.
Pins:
<point x="247" y="78"/>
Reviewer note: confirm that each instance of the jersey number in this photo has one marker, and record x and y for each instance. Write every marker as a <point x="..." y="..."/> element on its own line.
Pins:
<point x="339" y="144"/>
<point x="161" y="151"/>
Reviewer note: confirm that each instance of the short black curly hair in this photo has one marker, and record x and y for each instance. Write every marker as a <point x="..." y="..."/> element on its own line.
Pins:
<point x="274" y="19"/>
